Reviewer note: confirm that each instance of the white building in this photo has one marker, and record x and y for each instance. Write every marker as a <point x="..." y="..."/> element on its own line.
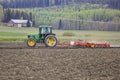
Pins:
<point x="18" y="23"/>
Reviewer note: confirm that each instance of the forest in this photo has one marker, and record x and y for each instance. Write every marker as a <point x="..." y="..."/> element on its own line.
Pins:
<point x="65" y="14"/>
<point x="115" y="4"/>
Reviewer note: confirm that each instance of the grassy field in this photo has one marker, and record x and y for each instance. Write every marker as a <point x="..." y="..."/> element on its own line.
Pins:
<point x="12" y="34"/>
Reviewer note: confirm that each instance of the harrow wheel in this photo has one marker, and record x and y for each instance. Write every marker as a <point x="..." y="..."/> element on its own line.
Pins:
<point x="31" y="42"/>
<point x="50" y="41"/>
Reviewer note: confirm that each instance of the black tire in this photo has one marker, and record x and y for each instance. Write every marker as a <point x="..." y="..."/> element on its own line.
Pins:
<point x="50" y="41"/>
<point x="31" y="42"/>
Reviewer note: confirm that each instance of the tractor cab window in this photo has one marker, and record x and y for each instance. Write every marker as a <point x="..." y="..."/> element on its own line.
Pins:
<point x="45" y="30"/>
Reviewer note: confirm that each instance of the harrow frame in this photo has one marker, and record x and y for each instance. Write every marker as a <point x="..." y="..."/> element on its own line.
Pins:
<point x="83" y="43"/>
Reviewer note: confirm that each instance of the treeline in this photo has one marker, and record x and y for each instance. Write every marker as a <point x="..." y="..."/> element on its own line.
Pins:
<point x="16" y="14"/>
<point x="78" y="12"/>
<point x="86" y="25"/>
<point x="24" y="3"/>
<point x="52" y="14"/>
<point x="115" y="4"/>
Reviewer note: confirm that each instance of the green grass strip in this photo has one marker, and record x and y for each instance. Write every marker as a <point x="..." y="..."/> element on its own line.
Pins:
<point x="13" y="34"/>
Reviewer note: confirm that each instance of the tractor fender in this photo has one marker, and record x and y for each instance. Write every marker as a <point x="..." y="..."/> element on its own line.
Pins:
<point x="49" y="34"/>
<point x="31" y="36"/>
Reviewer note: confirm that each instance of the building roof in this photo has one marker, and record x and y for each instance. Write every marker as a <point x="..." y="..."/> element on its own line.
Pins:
<point x="18" y="21"/>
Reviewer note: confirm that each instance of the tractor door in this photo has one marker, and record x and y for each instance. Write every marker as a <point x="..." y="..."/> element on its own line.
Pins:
<point x="45" y="30"/>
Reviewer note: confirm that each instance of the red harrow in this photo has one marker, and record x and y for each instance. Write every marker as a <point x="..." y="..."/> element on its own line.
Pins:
<point x="83" y="43"/>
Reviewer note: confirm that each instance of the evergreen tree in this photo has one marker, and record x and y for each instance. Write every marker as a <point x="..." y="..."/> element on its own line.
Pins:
<point x="46" y="3"/>
<point x="60" y="24"/>
<point x="8" y="15"/>
<point x="25" y="15"/>
<point x="17" y="15"/>
<point x="13" y="13"/>
<point x="57" y="2"/>
<point x="33" y="23"/>
<point x="28" y="23"/>
<point x="30" y="16"/>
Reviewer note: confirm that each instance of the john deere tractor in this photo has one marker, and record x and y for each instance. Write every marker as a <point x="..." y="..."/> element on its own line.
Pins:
<point x="45" y="36"/>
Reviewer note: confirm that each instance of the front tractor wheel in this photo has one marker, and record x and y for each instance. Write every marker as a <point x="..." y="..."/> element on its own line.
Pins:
<point x="50" y="41"/>
<point x="31" y="42"/>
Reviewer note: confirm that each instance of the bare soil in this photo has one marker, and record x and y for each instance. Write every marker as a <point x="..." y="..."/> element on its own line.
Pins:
<point x="18" y="62"/>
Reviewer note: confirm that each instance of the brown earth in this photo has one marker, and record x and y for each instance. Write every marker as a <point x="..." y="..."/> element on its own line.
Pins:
<point x="41" y="63"/>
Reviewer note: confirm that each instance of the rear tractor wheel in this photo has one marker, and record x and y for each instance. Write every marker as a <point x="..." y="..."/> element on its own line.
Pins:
<point x="31" y="42"/>
<point x="50" y="41"/>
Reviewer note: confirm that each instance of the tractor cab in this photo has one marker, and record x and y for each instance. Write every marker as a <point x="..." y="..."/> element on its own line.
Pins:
<point x="45" y="30"/>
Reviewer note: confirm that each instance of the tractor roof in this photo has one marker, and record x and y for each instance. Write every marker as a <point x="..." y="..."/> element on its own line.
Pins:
<point x="45" y="26"/>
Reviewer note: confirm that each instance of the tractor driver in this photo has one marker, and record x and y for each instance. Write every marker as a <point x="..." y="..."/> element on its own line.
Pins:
<point x="45" y="30"/>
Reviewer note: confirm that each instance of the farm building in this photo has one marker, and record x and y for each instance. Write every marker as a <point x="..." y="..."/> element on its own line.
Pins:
<point x="19" y="23"/>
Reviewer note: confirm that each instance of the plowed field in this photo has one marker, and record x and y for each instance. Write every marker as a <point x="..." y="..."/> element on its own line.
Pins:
<point x="17" y="62"/>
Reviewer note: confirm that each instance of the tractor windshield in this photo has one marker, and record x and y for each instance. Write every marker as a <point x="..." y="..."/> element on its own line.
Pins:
<point x="45" y="30"/>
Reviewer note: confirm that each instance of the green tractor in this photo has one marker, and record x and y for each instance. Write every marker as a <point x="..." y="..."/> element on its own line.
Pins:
<point x="45" y="36"/>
